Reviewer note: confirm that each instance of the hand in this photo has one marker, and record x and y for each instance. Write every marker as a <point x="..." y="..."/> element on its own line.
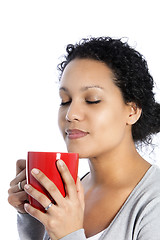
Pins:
<point x="66" y="215"/>
<point x="18" y="197"/>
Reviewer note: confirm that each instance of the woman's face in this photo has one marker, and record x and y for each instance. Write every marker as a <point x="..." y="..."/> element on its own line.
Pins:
<point x="92" y="115"/>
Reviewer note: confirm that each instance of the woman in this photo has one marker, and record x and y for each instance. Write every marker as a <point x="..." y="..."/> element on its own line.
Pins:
<point x="107" y="106"/>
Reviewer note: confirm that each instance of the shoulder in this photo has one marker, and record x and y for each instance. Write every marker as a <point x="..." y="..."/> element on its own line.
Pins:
<point x="149" y="212"/>
<point x="142" y="209"/>
<point x="145" y="197"/>
<point x="151" y="181"/>
<point x="146" y="194"/>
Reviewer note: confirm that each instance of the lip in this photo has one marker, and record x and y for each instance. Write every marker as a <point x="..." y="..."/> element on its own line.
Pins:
<point x="75" y="133"/>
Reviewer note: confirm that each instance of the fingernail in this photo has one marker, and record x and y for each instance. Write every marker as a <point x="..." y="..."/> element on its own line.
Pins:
<point x="35" y="171"/>
<point x="60" y="162"/>
<point x="26" y="186"/>
<point x="26" y="205"/>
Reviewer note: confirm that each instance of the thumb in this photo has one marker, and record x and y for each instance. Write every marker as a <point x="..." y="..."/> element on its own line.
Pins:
<point x="80" y="192"/>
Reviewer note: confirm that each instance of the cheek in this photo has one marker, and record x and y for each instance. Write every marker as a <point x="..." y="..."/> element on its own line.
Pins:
<point x="61" y="120"/>
<point x="109" y="125"/>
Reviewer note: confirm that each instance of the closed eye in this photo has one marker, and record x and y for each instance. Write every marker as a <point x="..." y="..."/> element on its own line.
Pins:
<point x="93" y="102"/>
<point x="65" y="103"/>
<point x="88" y="102"/>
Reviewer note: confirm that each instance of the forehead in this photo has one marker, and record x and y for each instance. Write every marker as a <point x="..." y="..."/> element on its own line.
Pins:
<point x="86" y="72"/>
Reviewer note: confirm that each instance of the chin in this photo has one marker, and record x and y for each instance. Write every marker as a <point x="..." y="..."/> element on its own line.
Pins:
<point x="83" y="148"/>
<point x="83" y="153"/>
<point x="74" y="149"/>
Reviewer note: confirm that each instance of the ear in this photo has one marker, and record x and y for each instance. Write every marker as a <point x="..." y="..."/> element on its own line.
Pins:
<point x="134" y="113"/>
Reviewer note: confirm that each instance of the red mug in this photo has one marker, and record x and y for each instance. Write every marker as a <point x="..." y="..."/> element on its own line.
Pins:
<point x="46" y="162"/>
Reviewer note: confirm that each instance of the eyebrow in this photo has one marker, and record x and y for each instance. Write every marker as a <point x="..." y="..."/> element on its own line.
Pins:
<point x="82" y="89"/>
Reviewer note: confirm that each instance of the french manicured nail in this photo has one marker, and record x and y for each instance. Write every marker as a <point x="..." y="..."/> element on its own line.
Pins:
<point x="60" y="162"/>
<point x="35" y="171"/>
<point x="26" y="186"/>
<point x="26" y="205"/>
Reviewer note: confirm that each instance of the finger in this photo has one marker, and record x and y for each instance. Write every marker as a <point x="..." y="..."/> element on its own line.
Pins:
<point x="80" y="192"/>
<point x="23" y="183"/>
<point x="40" y="197"/>
<point x="19" y="178"/>
<point x="70" y="186"/>
<point x="42" y="217"/>
<point x="20" y="165"/>
<point x="17" y="199"/>
<point x="20" y="208"/>
<point x="15" y="188"/>
<point x="48" y="185"/>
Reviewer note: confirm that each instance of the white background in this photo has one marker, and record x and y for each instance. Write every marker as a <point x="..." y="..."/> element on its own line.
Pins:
<point x="33" y="35"/>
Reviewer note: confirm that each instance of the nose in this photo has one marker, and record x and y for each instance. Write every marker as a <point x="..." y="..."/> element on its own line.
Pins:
<point x="74" y="112"/>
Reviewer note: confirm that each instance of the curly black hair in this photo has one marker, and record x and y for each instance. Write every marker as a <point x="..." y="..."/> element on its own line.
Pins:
<point x="131" y="76"/>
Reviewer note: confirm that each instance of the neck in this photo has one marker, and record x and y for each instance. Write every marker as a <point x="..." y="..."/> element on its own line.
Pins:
<point x="114" y="169"/>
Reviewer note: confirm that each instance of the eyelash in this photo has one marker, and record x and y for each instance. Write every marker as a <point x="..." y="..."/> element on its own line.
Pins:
<point x="93" y="102"/>
<point x="64" y="103"/>
<point x="88" y="102"/>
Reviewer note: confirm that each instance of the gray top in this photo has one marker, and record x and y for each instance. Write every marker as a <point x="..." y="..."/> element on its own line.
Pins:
<point x="138" y="218"/>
